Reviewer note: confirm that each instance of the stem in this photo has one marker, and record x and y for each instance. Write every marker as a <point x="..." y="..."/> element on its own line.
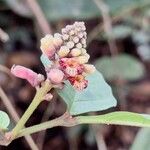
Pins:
<point x="107" y="21"/>
<point x="114" y="118"/>
<point x="39" y="96"/>
<point x="40" y="17"/>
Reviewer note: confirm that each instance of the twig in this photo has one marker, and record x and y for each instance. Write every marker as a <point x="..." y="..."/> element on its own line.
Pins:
<point x="107" y="25"/>
<point x="4" y="37"/>
<point x="39" y="15"/>
<point x="15" y="116"/>
<point x="114" y="118"/>
<point x="5" y="70"/>
<point x="123" y="13"/>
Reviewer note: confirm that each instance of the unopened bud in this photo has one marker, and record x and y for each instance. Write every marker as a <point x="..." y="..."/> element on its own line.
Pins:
<point x="89" y="68"/>
<point x="64" y="51"/>
<point x="47" y="45"/>
<point x="75" y="52"/>
<point x="65" y="37"/>
<point x="57" y="40"/>
<point x="48" y="97"/>
<point x="82" y="59"/>
<point x="71" y="32"/>
<point x="83" y="51"/>
<point x="56" y="76"/>
<point x="79" y="45"/>
<point x="80" y="35"/>
<point x="70" y="44"/>
<point x="24" y="73"/>
<point x="75" y="39"/>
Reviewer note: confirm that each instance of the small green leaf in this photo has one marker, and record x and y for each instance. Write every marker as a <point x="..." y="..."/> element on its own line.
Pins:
<point x="4" y="120"/>
<point x="142" y="140"/>
<point x="96" y="97"/>
<point x="123" y="66"/>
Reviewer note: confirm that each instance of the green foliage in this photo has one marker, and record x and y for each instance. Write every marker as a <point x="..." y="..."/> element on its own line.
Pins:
<point x="118" y="118"/>
<point x="121" y="31"/>
<point x="123" y="66"/>
<point x="96" y="97"/>
<point x="73" y="9"/>
<point x="4" y="120"/>
<point x="142" y="140"/>
<point x="61" y="9"/>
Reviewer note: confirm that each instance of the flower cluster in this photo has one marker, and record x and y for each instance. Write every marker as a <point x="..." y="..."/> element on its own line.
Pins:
<point x="68" y="55"/>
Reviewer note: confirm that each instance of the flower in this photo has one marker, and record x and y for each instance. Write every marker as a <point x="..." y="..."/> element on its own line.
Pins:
<point x="70" y="66"/>
<point x="50" y="44"/>
<point x="78" y="82"/>
<point x="67" y="56"/>
<point x="24" y="73"/>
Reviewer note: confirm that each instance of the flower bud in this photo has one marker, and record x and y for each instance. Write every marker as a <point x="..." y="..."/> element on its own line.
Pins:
<point x="48" y="97"/>
<point x="56" y="76"/>
<point x="75" y="39"/>
<point x="47" y="45"/>
<point x="83" y="51"/>
<point x="65" y="37"/>
<point x="82" y="59"/>
<point x="75" y="52"/>
<point x="79" y="45"/>
<point x="24" y="73"/>
<point x="70" y="44"/>
<point x="64" y="51"/>
<point x="89" y="68"/>
<point x="57" y="40"/>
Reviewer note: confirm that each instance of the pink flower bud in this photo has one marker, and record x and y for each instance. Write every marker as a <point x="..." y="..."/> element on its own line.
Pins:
<point x="48" y="46"/>
<point x="48" y="97"/>
<point x="56" y="76"/>
<point x="24" y="73"/>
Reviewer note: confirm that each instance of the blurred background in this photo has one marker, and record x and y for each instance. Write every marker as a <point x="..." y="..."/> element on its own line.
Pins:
<point x="119" y="45"/>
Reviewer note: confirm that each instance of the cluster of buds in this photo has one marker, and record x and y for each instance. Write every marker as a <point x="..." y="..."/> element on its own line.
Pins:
<point x="68" y="55"/>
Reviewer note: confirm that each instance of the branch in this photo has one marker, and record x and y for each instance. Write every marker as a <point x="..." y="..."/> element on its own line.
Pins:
<point x="114" y="118"/>
<point x="4" y="37"/>
<point x="40" y="17"/>
<point x="107" y="25"/>
<point x="123" y="13"/>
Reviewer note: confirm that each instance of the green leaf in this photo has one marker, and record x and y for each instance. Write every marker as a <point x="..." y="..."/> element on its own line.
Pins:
<point x="96" y="97"/>
<point x="123" y="66"/>
<point x="117" y="118"/>
<point x="78" y="9"/>
<point x="4" y="120"/>
<point x="142" y="140"/>
<point x="55" y="10"/>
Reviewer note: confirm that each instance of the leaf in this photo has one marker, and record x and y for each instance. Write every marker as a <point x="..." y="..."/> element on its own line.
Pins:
<point x="123" y="66"/>
<point x="142" y="140"/>
<point x="78" y="9"/>
<point x="96" y="97"/>
<point x="55" y="10"/>
<point x="118" y="118"/>
<point x="121" y="31"/>
<point x="4" y="120"/>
